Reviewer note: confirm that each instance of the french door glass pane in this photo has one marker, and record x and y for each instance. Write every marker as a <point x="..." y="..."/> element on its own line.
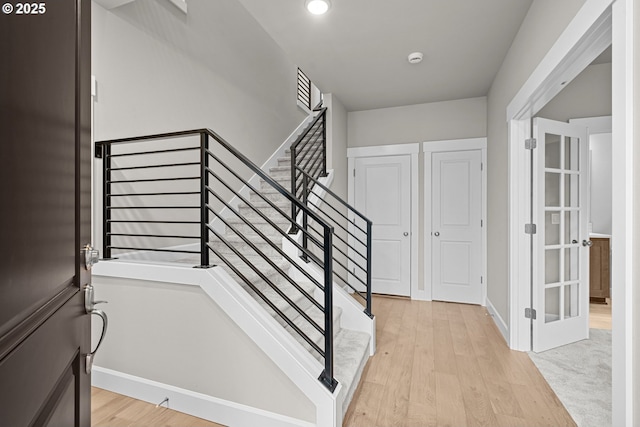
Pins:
<point x="552" y="228"/>
<point x="552" y="304"/>
<point x="571" y="299"/>
<point x="571" y="188"/>
<point x="552" y="151"/>
<point x="552" y="266"/>
<point x="571" y="264"/>
<point x="552" y="189"/>
<point x="571" y="227"/>
<point x="571" y="153"/>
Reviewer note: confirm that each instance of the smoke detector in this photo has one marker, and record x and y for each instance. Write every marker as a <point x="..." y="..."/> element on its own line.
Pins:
<point x="415" y="58"/>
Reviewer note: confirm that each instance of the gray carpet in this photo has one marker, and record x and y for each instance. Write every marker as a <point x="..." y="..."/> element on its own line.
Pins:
<point x="580" y="374"/>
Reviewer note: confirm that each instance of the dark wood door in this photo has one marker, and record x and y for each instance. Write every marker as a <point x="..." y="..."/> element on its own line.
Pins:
<point x="45" y="191"/>
<point x="599" y="270"/>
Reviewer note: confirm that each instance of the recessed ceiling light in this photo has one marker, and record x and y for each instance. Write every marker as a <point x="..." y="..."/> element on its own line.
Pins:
<point x="318" y="7"/>
<point x="415" y="58"/>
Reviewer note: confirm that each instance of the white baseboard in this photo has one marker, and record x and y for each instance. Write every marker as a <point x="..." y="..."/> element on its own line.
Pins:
<point x="498" y="320"/>
<point x="192" y="403"/>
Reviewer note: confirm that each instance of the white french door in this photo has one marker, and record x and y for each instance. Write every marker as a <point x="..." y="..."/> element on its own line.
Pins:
<point x="383" y="194"/>
<point x="560" y="293"/>
<point x="456" y="236"/>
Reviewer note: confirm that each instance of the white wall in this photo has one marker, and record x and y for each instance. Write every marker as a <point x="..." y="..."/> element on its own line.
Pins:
<point x="601" y="185"/>
<point x="159" y="70"/>
<point x="337" y="143"/>
<point x="464" y="118"/>
<point x="544" y="23"/>
<point x="176" y="335"/>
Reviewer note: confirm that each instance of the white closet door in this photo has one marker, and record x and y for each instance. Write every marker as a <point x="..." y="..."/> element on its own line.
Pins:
<point x="456" y="237"/>
<point x="383" y="194"/>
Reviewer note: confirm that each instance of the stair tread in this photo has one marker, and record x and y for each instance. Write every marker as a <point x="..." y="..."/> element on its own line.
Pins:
<point x="351" y="352"/>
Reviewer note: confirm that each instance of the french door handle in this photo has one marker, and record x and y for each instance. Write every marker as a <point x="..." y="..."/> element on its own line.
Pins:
<point x="588" y="243"/>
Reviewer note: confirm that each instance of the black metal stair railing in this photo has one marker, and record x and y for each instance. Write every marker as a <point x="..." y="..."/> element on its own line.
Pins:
<point x="351" y="240"/>
<point x="181" y="194"/>
<point x="309" y="155"/>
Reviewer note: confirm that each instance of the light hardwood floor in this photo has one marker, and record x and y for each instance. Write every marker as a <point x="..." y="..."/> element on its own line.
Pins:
<point x="114" y="410"/>
<point x="600" y="315"/>
<point x="437" y="364"/>
<point x="440" y="364"/>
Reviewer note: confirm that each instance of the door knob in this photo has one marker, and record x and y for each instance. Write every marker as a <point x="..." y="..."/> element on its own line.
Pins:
<point x="437" y="233"/>
<point x="405" y="234"/>
<point x="588" y="243"/>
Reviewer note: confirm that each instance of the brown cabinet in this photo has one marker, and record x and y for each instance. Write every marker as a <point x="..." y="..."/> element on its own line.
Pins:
<point x="599" y="270"/>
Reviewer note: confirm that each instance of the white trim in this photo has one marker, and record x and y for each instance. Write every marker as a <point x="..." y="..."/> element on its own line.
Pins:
<point x="578" y="45"/>
<point x="384" y="150"/>
<point x="594" y="125"/>
<point x="586" y="37"/>
<point x="412" y="149"/>
<point x="518" y="249"/>
<point x="197" y="404"/>
<point x="416" y="293"/>
<point x="498" y="320"/>
<point x="430" y="147"/>
<point x="622" y="231"/>
<point x="294" y="361"/>
<point x="588" y="34"/>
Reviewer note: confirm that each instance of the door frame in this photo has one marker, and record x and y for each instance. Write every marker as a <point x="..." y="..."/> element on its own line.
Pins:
<point x="429" y="148"/>
<point x="597" y="24"/>
<point x="412" y="150"/>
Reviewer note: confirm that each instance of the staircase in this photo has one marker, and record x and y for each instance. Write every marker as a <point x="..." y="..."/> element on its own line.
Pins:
<point x="351" y="348"/>
<point x="279" y="246"/>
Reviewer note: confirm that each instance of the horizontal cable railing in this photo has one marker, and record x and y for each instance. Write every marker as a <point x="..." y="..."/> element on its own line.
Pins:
<point x="351" y="240"/>
<point x="189" y="194"/>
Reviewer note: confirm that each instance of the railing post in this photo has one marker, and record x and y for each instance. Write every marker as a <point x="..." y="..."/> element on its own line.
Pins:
<point x="327" y="375"/>
<point x="294" y="211"/>
<point x="368" y="311"/>
<point x="324" y="143"/>
<point x="305" y="219"/>
<point x="204" y="200"/>
<point x="106" y="201"/>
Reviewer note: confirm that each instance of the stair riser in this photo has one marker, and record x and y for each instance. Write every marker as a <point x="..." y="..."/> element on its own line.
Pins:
<point x="280" y="200"/>
<point x="251" y="215"/>
<point x="267" y="230"/>
<point x="279" y="173"/>
<point x="286" y="161"/>
<point x="285" y="181"/>
<point x="244" y="248"/>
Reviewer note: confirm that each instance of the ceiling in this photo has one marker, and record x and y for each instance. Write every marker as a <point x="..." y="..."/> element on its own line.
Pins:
<point x="358" y="50"/>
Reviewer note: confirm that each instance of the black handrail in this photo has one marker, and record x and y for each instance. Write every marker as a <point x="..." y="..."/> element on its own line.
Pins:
<point x="309" y="149"/>
<point x="218" y="176"/>
<point x="353" y="238"/>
